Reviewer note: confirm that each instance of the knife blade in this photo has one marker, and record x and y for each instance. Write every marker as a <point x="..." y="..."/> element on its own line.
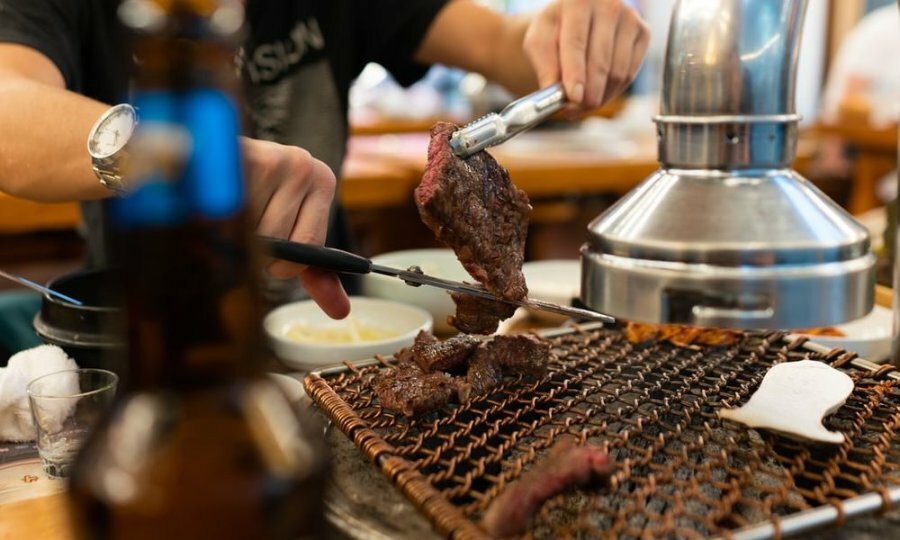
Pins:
<point x="344" y="262"/>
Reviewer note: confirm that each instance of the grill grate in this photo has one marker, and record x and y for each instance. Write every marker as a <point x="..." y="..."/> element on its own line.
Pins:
<point x="681" y="472"/>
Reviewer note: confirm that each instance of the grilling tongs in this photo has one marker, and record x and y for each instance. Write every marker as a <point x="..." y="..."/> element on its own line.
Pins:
<point x="519" y="116"/>
<point x="343" y="262"/>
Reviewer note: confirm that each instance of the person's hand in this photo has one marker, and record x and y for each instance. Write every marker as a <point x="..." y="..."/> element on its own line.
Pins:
<point x="594" y="47"/>
<point x="290" y="197"/>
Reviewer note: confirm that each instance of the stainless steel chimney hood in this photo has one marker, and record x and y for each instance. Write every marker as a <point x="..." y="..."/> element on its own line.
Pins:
<point x="725" y="233"/>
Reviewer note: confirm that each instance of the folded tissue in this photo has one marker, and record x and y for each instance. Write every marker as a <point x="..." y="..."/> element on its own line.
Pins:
<point x="16" y="423"/>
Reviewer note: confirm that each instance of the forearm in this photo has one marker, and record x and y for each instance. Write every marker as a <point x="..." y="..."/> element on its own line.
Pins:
<point x="475" y="38"/>
<point x="43" y="143"/>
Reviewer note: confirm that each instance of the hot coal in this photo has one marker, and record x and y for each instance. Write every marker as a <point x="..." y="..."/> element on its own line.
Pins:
<point x="471" y="205"/>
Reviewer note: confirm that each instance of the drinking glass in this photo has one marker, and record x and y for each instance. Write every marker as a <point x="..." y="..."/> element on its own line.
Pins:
<point x="65" y="406"/>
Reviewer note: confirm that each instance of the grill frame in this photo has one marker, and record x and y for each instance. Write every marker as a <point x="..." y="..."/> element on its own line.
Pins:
<point x="450" y="520"/>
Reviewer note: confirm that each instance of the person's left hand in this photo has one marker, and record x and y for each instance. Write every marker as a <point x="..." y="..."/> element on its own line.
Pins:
<point x="594" y="47"/>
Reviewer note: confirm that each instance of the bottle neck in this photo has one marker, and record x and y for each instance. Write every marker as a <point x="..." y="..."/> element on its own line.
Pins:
<point x="180" y="235"/>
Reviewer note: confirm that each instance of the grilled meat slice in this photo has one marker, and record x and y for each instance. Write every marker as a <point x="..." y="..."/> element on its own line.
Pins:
<point x="567" y="465"/>
<point x="412" y="392"/>
<point x="484" y="375"/>
<point x="476" y="315"/>
<point x="519" y="353"/>
<point x="681" y="335"/>
<point x="471" y="205"/>
<point x="449" y="355"/>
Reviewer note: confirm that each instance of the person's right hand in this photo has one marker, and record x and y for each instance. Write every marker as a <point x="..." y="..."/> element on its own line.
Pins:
<point x="290" y="197"/>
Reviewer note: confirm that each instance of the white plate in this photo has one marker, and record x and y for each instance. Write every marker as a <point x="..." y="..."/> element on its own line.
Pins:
<point x="869" y="337"/>
<point x="440" y="263"/>
<point x="403" y="321"/>
<point x="557" y="281"/>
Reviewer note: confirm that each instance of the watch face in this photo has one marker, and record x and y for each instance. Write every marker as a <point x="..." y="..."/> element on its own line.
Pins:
<point x="113" y="131"/>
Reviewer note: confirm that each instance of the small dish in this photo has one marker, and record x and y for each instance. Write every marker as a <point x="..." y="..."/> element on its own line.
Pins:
<point x="305" y="337"/>
<point x="869" y="337"/>
<point x="557" y="281"/>
<point x="440" y="263"/>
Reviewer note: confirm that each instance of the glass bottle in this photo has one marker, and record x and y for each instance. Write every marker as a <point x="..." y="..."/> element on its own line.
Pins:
<point x="199" y="443"/>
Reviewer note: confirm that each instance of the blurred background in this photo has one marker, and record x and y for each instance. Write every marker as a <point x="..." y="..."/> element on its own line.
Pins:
<point x="572" y="170"/>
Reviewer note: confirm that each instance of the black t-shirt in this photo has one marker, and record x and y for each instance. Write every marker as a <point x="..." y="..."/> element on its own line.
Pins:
<point x="297" y="62"/>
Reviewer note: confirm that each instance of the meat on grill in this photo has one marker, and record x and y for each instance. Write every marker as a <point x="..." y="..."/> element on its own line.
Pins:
<point x="422" y="380"/>
<point x="484" y="374"/>
<point x="471" y="205"/>
<point x="476" y="315"/>
<point x="410" y="391"/>
<point x="567" y="465"/>
<point x="681" y="335"/>
<point x="519" y="353"/>
<point x="449" y="355"/>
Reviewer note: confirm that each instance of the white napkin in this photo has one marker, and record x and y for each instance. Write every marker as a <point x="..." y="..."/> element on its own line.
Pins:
<point x="16" y="423"/>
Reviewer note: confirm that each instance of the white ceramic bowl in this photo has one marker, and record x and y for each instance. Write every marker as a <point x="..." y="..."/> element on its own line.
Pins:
<point x="436" y="262"/>
<point x="869" y="337"/>
<point x="402" y="321"/>
<point x="557" y="281"/>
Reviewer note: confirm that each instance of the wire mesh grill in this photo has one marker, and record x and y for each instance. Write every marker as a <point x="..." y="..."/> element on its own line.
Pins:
<point x="681" y="471"/>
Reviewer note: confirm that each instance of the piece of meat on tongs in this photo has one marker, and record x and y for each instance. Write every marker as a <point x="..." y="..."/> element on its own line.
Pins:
<point x="472" y="206"/>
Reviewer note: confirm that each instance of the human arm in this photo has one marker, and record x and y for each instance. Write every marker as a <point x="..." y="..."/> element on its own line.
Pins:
<point x="43" y="156"/>
<point x="594" y="47"/>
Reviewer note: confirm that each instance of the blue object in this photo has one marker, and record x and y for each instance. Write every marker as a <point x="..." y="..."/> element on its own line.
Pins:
<point x="17" y="311"/>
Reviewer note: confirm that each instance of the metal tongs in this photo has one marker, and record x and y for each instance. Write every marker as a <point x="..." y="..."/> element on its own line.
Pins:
<point x="343" y="262"/>
<point x="520" y="115"/>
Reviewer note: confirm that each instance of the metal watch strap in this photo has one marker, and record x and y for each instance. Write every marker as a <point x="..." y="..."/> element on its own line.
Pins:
<point x="110" y="180"/>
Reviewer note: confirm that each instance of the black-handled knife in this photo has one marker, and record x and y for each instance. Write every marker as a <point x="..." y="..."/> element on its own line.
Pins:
<point x="344" y="262"/>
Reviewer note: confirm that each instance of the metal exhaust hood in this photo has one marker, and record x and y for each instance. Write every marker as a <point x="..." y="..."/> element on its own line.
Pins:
<point x="725" y="233"/>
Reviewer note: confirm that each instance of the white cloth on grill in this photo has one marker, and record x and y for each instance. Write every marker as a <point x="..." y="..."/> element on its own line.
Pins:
<point x="16" y="423"/>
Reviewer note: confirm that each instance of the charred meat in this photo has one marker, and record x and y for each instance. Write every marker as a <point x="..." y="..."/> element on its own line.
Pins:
<point x="471" y="205"/>
<point x="567" y="465"/>
<point x="476" y="315"/>
<point x="412" y="392"/>
<point x="681" y="335"/>
<point x="449" y="355"/>
<point x="484" y="375"/>
<point x="520" y="353"/>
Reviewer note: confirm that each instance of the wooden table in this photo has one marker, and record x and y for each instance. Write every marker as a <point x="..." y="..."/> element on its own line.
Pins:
<point x="552" y="173"/>
<point x="876" y="154"/>
<point x="19" y="216"/>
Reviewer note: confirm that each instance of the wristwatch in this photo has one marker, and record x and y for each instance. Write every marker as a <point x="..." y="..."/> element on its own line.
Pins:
<point x="107" y="143"/>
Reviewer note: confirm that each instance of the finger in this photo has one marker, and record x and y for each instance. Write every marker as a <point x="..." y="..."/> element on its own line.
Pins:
<point x="639" y="50"/>
<point x="310" y="220"/>
<point x="541" y="45"/>
<point x="600" y="54"/>
<point x="574" y="36"/>
<point x="620" y="65"/>
<point x="631" y="44"/>
<point x="311" y="224"/>
<point x="326" y="290"/>
<point x="294" y="178"/>
<point x="258" y="164"/>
